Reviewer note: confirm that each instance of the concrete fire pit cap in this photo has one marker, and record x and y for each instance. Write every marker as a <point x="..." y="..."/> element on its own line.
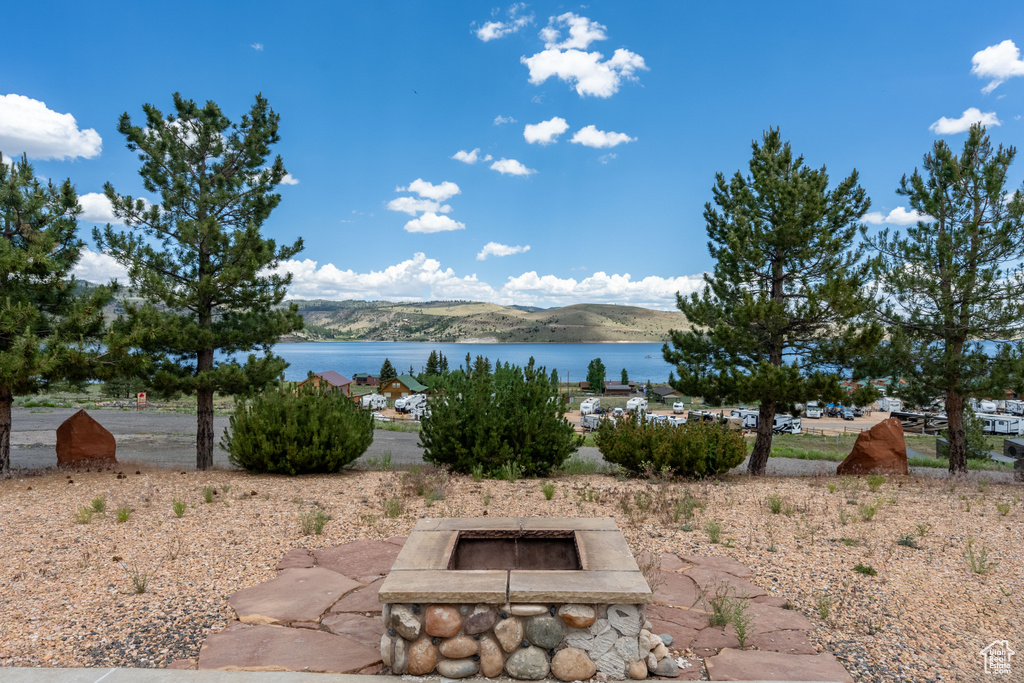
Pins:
<point x="608" y="572"/>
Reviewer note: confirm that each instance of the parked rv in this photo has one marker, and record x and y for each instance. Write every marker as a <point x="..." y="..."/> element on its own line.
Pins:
<point x="783" y="424"/>
<point x="890" y="405"/>
<point x="590" y="406"/>
<point x="410" y="403"/>
<point x="1015" y="407"/>
<point x="636" y="403"/>
<point x="676" y="421"/>
<point x="679" y="407"/>
<point x="1002" y="424"/>
<point x="813" y="410"/>
<point x="590" y="422"/>
<point x="374" y="402"/>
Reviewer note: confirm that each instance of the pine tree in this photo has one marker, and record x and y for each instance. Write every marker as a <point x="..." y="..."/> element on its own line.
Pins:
<point x="198" y="260"/>
<point x="387" y="371"/>
<point x="442" y="364"/>
<point x="625" y="376"/>
<point x="595" y="376"/>
<point x="50" y="325"/>
<point x="432" y="364"/>
<point x="954" y="280"/>
<point x="787" y="290"/>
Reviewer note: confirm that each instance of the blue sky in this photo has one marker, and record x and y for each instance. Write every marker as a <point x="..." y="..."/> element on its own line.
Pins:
<point x="597" y="129"/>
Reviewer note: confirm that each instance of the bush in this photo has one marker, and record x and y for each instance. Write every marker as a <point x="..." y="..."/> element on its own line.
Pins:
<point x="284" y="431"/>
<point x="509" y="420"/>
<point x="694" y="450"/>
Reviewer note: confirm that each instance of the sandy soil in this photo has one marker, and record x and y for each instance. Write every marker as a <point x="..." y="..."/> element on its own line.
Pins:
<point x="67" y="597"/>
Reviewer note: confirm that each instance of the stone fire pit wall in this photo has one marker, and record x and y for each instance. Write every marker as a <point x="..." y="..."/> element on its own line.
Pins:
<point x="520" y="622"/>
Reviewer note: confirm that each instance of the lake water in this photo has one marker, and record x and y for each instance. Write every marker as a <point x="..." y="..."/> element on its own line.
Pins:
<point x="642" y="361"/>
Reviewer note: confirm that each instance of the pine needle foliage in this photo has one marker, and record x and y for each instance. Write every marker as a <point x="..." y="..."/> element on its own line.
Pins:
<point x="779" y="313"/>
<point x="954" y="280"/>
<point x="493" y="420"/>
<point x="197" y="259"/>
<point x="694" y="450"/>
<point x="50" y="325"/>
<point x="289" y="431"/>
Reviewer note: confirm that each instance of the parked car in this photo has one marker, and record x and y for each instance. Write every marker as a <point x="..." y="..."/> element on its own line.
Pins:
<point x="847" y="414"/>
<point x="858" y="411"/>
<point x="618" y="412"/>
<point x="678" y="407"/>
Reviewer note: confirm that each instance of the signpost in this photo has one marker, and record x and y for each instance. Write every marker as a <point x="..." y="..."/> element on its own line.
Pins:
<point x="140" y="400"/>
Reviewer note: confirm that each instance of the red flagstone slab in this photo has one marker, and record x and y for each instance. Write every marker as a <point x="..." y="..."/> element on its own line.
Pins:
<point x="708" y="579"/>
<point x="672" y="562"/>
<point x="243" y="647"/>
<point x="767" y="618"/>
<point x="676" y="589"/>
<point x="722" y="564"/>
<point x="687" y="618"/>
<point x="397" y="540"/>
<point x="753" y="665"/>
<point x="786" y="642"/>
<point x="773" y="600"/>
<point x="366" y="630"/>
<point x="361" y="600"/>
<point x="296" y="558"/>
<point x="295" y="595"/>
<point x="712" y="639"/>
<point x="359" y="559"/>
<point x="690" y="673"/>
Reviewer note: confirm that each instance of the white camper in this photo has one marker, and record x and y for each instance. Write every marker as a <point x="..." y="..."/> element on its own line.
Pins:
<point x="813" y="410"/>
<point x="783" y="424"/>
<point x="1015" y="407"/>
<point x="411" y="403"/>
<point x="590" y="406"/>
<point x="374" y="402"/>
<point x="1003" y="424"/>
<point x="636" y="403"/>
<point x="890" y="405"/>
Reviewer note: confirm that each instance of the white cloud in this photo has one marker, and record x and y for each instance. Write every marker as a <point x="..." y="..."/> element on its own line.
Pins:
<point x="605" y="158"/>
<point x="998" y="62"/>
<point x="416" y="279"/>
<point x="431" y="222"/>
<point x="500" y="120"/>
<point x="96" y="208"/>
<point x="289" y="179"/>
<point x="257" y="46"/>
<point x="498" y="29"/>
<point x="511" y="167"/>
<point x="98" y="268"/>
<point x="413" y="206"/>
<point x="545" y="132"/>
<point x="582" y="32"/>
<point x="27" y="126"/>
<point x="496" y="249"/>
<point x="586" y="70"/>
<point x="947" y="126"/>
<point x="590" y="136"/>
<point x="423" y="279"/>
<point x="470" y="157"/>
<point x="439" y="193"/>
<point x="549" y="290"/>
<point x="898" y="216"/>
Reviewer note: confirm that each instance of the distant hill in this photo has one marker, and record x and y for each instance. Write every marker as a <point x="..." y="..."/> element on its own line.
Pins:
<point x="459" y="321"/>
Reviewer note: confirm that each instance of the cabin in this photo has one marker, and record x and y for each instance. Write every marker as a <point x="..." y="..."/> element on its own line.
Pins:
<point x="365" y="379"/>
<point x="666" y="394"/>
<point x="330" y="380"/>
<point x="618" y="388"/>
<point x="400" y="387"/>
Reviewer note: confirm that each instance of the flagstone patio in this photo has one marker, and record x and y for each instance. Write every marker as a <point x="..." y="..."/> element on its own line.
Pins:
<point x="321" y="614"/>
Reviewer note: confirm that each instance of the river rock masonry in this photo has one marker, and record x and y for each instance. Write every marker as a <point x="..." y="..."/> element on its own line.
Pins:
<point x="524" y="597"/>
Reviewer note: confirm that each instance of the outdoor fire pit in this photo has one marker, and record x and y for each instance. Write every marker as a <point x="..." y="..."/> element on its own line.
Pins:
<point x="523" y="596"/>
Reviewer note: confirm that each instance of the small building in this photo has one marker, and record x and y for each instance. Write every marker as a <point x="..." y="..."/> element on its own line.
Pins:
<point x="365" y="379"/>
<point x="584" y="386"/>
<point x="618" y="388"/>
<point x="666" y="394"/>
<point x="400" y="387"/>
<point x="330" y="380"/>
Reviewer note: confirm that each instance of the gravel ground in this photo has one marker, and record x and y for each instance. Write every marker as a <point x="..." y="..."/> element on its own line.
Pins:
<point x="67" y="598"/>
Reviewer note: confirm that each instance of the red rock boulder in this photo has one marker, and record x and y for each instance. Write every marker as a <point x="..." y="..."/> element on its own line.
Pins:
<point x="880" y="449"/>
<point x="81" y="440"/>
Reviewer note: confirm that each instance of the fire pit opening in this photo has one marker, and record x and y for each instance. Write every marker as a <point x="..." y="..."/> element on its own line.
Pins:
<point x="506" y="549"/>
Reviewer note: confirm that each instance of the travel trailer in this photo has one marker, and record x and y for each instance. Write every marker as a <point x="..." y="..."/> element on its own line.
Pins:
<point x="374" y="402"/>
<point x="813" y="410"/>
<point x="890" y="405"/>
<point x="1002" y="424"/>
<point x="636" y="403"/>
<point x="783" y="424"/>
<point x="590" y="406"/>
<point x="411" y="403"/>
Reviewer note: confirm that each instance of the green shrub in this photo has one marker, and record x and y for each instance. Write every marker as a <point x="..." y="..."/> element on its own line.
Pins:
<point x="505" y="423"/>
<point x="179" y="507"/>
<point x="549" y="490"/>
<point x="99" y="504"/>
<point x="284" y="431"/>
<point x="865" y="569"/>
<point x="313" y="521"/>
<point x="122" y="514"/>
<point x="694" y="450"/>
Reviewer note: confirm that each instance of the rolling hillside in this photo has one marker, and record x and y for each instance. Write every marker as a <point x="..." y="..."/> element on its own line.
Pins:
<point x="455" y="321"/>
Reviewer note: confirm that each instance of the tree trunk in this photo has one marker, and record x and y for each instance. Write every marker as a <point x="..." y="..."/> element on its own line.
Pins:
<point x="204" y="414"/>
<point x="763" y="443"/>
<point x="6" y="400"/>
<point x="957" y="435"/>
